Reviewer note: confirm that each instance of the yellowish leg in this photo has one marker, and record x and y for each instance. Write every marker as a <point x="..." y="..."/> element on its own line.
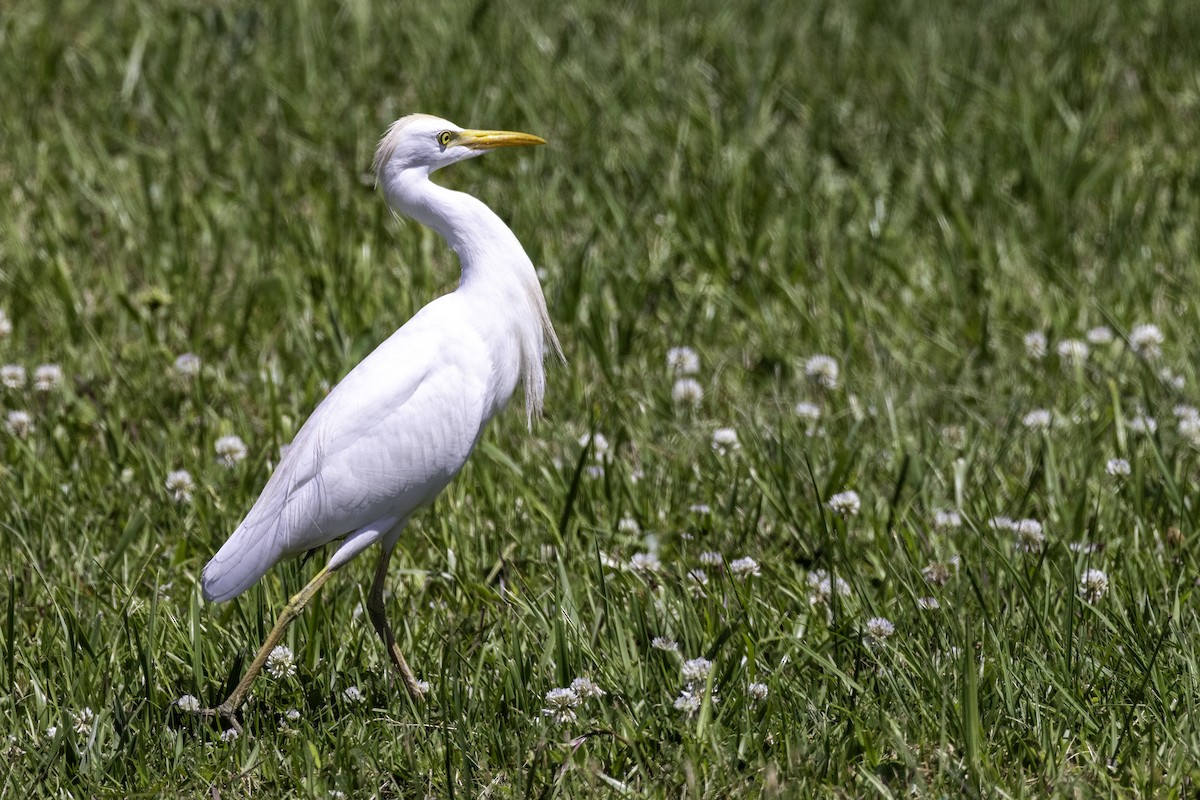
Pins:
<point x="294" y="607"/>
<point x="379" y="620"/>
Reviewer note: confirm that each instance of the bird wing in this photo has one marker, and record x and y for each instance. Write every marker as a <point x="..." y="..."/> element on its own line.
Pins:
<point x="383" y="443"/>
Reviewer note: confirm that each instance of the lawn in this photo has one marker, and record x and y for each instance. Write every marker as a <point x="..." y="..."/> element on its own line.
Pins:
<point x="871" y="470"/>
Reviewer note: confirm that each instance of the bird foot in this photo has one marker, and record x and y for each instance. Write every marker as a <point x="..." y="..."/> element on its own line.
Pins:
<point x="225" y="712"/>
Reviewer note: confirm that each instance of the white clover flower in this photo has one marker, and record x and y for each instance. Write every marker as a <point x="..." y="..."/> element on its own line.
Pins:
<point x="229" y="735"/>
<point x="1093" y="585"/>
<point x="47" y="377"/>
<point x="725" y="440"/>
<point x="1002" y="524"/>
<point x="745" y="568"/>
<point x="1037" y="420"/>
<point x="758" y="691"/>
<point x="1189" y="428"/>
<point x="230" y="450"/>
<point x="699" y="508"/>
<point x="822" y="370"/>
<point x="809" y="413"/>
<point x="946" y="519"/>
<point x="281" y="663"/>
<point x="1036" y="345"/>
<point x="1030" y="537"/>
<point x="52" y="731"/>
<point x="695" y="670"/>
<point x="180" y="486"/>
<point x="928" y="603"/>
<point x="5" y="325"/>
<point x="1086" y="548"/>
<point x="683" y="361"/>
<point x="560" y="706"/>
<point x="423" y="687"/>
<point x="585" y="688"/>
<point x="188" y="365"/>
<point x="1183" y="412"/>
<point x="845" y="504"/>
<point x="19" y="424"/>
<point x="663" y="643"/>
<point x="1073" y="352"/>
<point x="938" y="572"/>
<point x="1101" y="334"/>
<point x="824" y="586"/>
<point x="1146" y="341"/>
<point x="353" y="694"/>
<point x="879" y="628"/>
<point x="13" y="376"/>
<point x="628" y="525"/>
<point x="699" y="579"/>
<point x="687" y="392"/>
<point x="1141" y="423"/>
<point x="594" y="471"/>
<point x="611" y="562"/>
<point x="1029" y="526"/>
<point x="1118" y="467"/>
<point x="688" y="702"/>
<point x="711" y="559"/>
<point x="1176" y="382"/>
<point x="292" y="715"/>
<point x="84" y="720"/>
<point x="823" y="591"/>
<point x="598" y="442"/>
<point x="188" y="703"/>
<point x="645" y="563"/>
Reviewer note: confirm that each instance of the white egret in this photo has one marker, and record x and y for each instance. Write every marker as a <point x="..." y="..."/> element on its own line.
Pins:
<point x="394" y="432"/>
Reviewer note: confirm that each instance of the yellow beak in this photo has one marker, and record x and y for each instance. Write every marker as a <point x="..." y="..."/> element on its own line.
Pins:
<point x="489" y="140"/>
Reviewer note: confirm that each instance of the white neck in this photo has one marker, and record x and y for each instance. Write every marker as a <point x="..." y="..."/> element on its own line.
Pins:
<point x="491" y="258"/>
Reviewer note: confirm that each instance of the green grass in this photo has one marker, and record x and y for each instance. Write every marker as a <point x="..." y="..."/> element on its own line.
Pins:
<point x="909" y="188"/>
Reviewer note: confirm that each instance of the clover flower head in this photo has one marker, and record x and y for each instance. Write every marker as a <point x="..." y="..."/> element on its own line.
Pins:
<point x="188" y="365"/>
<point x="822" y="370"/>
<point x="683" y="360"/>
<point x="745" y="568"/>
<point x="180" y="485"/>
<point x="845" y="504"/>
<point x="560" y="706"/>
<point x="281" y="663"/>
<point x="1093" y="585"/>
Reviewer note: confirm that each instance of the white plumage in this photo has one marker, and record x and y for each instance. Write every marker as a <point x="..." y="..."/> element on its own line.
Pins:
<point x="394" y="432"/>
<point x="382" y="444"/>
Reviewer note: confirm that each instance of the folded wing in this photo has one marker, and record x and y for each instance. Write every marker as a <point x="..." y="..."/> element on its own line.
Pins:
<point x="384" y="442"/>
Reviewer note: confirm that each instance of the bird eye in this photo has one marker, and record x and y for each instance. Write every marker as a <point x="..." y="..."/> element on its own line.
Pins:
<point x="444" y="138"/>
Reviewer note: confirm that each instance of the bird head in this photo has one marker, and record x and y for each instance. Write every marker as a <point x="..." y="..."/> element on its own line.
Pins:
<point x="427" y="143"/>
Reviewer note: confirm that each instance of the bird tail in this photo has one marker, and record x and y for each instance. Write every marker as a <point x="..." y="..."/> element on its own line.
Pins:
<point x="237" y="566"/>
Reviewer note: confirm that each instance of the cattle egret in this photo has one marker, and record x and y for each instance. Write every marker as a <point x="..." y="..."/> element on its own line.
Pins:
<point x="400" y="426"/>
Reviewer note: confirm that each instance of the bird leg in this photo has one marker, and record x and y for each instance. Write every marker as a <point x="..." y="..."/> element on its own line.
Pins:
<point x="228" y="709"/>
<point x="379" y="620"/>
